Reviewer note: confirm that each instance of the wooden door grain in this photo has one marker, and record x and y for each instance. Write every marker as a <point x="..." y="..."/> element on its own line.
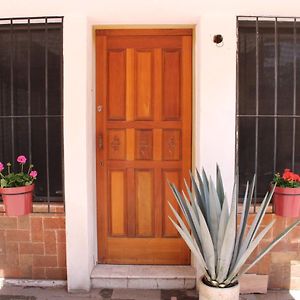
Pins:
<point x="143" y="132"/>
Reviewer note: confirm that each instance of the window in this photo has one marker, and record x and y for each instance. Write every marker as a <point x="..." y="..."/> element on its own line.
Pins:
<point x="268" y="106"/>
<point x="31" y="98"/>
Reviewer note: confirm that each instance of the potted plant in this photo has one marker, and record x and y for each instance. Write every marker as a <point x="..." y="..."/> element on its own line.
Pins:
<point x="286" y="196"/>
<point x="17" y="188"/>
<point x="210" y="229"/>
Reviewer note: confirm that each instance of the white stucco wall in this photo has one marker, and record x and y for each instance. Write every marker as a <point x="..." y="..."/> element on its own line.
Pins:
<point x="214" y="87"/>
<point x="79" y="152"/>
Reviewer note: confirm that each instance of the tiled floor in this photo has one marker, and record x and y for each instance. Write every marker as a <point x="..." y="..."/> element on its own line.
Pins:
<point x="33" y="293"/>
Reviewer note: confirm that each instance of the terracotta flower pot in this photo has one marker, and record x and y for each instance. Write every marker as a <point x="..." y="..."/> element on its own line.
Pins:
<point x="17" y="200"/>
<point x="287" y="202"/>
<point x="211" y="293"/>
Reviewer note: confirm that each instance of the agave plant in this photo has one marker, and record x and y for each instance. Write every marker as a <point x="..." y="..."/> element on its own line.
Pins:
<point x="219" y="245"/>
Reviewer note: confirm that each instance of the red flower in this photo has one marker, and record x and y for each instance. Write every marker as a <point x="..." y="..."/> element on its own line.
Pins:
<point x="287" y="175"/>
<point x="290" y="176"/>
<point x="288" y="179"/>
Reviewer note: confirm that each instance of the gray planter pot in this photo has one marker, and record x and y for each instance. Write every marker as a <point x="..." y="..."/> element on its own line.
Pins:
<point x="210" y="293"/>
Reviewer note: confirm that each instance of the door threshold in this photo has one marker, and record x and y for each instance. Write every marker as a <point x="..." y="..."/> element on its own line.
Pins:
<point x="143" y="277"/>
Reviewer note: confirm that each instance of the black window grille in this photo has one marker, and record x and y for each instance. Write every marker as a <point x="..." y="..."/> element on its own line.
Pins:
<point x="31" y="99"/>
<point x="268" y="104"/>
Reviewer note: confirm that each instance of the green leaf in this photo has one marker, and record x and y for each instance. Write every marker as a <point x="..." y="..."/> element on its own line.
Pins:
<point x="3" y="183"/>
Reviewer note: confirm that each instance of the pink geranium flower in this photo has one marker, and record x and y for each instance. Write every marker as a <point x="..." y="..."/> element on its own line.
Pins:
<point x="33" y="174"/>
<point x="21" y="159"/>
<point x="18" y="178"/>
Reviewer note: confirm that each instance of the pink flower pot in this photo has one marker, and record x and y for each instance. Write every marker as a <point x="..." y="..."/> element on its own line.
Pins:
<point x="287" y="202"/>
<point x="17" y="200"/>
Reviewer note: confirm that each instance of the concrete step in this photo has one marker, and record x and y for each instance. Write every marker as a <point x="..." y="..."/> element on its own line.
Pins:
<point x="143" y="277"/>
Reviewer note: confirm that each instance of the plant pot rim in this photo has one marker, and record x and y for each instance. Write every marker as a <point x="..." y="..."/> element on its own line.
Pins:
<point x="219" y="288"/>
<point x="17" y="189"/>
<point x="287" y="190"/>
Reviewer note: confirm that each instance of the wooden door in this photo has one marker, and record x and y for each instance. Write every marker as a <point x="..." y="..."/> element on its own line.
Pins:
<point x="144" y="92"/>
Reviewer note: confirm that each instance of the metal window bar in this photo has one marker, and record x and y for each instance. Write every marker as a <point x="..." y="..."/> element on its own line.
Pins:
<point x="12" y="88"/>
<point x="26" y="24"/>
<point x="294" y="89"/>
<point x="62" y="109"/>
<point x="46" y="112"/>
<point x="275" y="93"/>
<point x="256" y="105"/>
<point x="255" y="22"/>
<point x="29" y="89"/>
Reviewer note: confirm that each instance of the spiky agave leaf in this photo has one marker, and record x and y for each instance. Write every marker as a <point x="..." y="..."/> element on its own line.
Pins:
<point x="191" y="197"/>
<point x="204" y="194"/>
<point x="256" y="223"/>
<point x="186" y="212"/>
<point x="215" y="212"/>
<point x="198" y="195"/>
<point x="227" y="248"/>
<point x="244" y="218"/>
<point x="269" y="247"/>
<point x="203" y="182"/>
<point x="204" y="236"/>
<point x="241" y="261"/>
<point x="222" y="226"/>
<point x="209" y="246"/>
<point x="220" y="186"/>
<point x="193" y="247"/>
<point x="184" y="228"/>
<point x="216" y="248"/>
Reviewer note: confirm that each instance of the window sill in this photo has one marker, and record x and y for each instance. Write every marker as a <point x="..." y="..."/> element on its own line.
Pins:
<point x="54" y="207"/>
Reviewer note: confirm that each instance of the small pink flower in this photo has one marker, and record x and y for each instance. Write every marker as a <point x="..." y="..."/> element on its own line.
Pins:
<point x="21" y="159"/>
<point x="33" y="174"/>
<point x="1" y="167"/>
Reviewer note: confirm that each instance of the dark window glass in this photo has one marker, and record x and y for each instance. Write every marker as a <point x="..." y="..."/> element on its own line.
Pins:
<point x="37" y="72"/>
<point x="265" y="154"/>
<point x="31" y="115"/>
<point x="266" y="71"/>
<point x="247" y="151"/>
<point x="269" y="100"/>
<point x="285" y="69"/>
<point x="247" y="82"/>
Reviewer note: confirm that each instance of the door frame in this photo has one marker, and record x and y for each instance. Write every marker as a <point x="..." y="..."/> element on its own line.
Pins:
<point x="193" y="116"/>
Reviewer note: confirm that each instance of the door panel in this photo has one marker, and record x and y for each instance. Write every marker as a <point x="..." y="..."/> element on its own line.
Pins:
<point x="143" y="81"/>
